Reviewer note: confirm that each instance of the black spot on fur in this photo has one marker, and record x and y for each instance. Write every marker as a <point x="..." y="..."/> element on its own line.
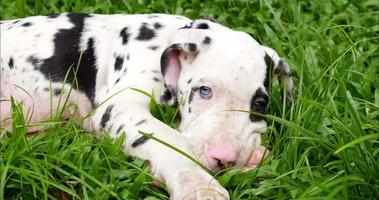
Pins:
<point x="189" y="109"/>
<point x="164" y="62"/>
<point x="192" y="93"/>
<point x="154" y="47"/>
<point x="258" y="103"/>
<point x="166" y="96"/>
<point x="202" y="26"/>
<point x="127" y="56"/>
<point x="187" y="26"/>
<point x="140" y="140"/>
<point x="145" y="33"/>
<point x="119" y="129"/>
<point x="140" y="122"/>
<point x="34" y="61"/>
<point x="118" y="80"/>
<point x="189" y="81"/>
<point x="66" y="57"/>
<point x="118" y="63"/>
<point x="106" y="116"/>
<point x="269" y="66"/>
<point x="157" y="25"/>
<point x="156" y="79"/>
<point x="192" y="47"/>
<point x="124" y="35"/>
<point x="11" y="63"/>
<point x="207" y="40"/>
<point x="26" y="24"/>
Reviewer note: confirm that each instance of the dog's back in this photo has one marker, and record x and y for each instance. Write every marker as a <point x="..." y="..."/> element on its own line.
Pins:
<point x="100" y="52"/>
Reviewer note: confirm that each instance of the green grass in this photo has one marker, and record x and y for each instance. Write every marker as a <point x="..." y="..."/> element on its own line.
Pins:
<point x="324" y="147"/>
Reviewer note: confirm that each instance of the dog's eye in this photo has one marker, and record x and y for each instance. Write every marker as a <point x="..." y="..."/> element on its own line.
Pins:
<point x="205" y="92"/>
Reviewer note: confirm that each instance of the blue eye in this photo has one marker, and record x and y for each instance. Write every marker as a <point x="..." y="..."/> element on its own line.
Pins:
<point x="205" y="92"/>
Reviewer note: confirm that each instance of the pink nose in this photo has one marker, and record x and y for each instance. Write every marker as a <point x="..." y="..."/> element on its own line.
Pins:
<point x="221" y="156"/>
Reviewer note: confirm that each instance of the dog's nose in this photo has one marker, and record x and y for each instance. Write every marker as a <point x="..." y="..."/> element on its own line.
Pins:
<point x="221" y="156"/>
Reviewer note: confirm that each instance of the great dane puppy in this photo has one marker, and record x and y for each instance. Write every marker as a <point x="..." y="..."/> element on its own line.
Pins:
<point x="94" y="61"/>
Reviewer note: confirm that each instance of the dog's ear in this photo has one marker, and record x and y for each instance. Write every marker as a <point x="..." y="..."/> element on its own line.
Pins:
<point x="280" y="68"/>
<point x="185" y="46"/>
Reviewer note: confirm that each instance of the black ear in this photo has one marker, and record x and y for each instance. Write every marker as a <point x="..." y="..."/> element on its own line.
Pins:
<point x="172" y="61"/>
<point x="280" y="68"/>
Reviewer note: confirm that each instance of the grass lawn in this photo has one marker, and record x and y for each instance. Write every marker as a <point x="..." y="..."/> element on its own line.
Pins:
<point x="326" y="146"/>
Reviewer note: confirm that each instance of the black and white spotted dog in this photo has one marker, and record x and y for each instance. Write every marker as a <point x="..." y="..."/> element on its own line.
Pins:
<point x="208" y="69"/>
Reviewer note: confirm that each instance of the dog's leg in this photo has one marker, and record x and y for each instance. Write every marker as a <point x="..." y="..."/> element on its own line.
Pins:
<point x="185" y="180"/>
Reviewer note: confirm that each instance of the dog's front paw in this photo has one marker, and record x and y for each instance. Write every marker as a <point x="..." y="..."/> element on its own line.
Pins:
<point x="197" y="184"/>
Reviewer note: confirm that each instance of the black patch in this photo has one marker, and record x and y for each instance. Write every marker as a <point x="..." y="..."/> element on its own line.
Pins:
<point x="127" y="56"/>
<point x="26" y="24"/>
<point x="46" y="89"/>
<point x="67" y="53"/>
<point x="34" y="61"/>
<point x="187" y="26"/>
<point x="157" y="25"/>
<point x="118" y="63"/>
<point x="106" y="116"/>
<point x="154" y="47"/>
<point x="192" y="47"/>
<point x="192" y="93"/>
<point x="156" y="79"/>
<point x="145" y="33"/>
<point x="189" y="109"/>
<point x="166" y="96"/>
<point x="258" y="103"/>
<point x="124" y="35"/>
<point x="269" y="66"/>
<point x="189" y="81"/>
<point x="207" y="40"/>
<point x="164" y="61"/>
<point x="202" y="26"/>
<point x="119" y="129"/>
<point x="11" y="63"/>
<point x="155" y="71"/>
<point x="140" y="122"/>
<point x="118" y="80"/>
<point x="57" y="92"/>
<point x="140" y="140"/>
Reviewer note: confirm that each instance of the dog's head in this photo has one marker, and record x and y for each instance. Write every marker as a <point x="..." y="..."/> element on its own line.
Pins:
<point x="212" y="71"/>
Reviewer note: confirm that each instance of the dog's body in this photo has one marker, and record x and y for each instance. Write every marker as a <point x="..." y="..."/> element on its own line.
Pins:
<point x="207" y="68"/>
